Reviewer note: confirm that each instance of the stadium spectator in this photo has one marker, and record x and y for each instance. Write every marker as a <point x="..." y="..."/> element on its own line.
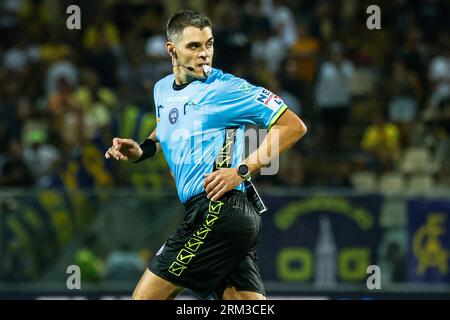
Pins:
<point x="305" y="51"/>
<point x="66" y="116"/>
<point x="381" y="142"/>
<point x="102" y="44"/>
<point x="332" y="95"/>
<point x="123" y="264"/>
<point x="14" y="172"/>
<point x="61" y="69"/>
<point x="439" y="73"/>
<point x="96" y="102"/>
<point x="89" y="258"/>
<point x="406" y="92"/>
<point x="40" y="157"/>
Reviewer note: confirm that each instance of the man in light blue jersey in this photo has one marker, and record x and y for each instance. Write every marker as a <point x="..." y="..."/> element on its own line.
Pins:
<point x="201" y="115"/>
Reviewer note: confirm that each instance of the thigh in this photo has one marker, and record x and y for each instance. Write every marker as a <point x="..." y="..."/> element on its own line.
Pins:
<point x="153" y="287"/>
<point x="231" y="293"/>
<point x="244" y="282"/>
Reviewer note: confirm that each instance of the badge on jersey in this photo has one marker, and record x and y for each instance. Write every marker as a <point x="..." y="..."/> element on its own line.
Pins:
<point x="269" y="99"/>
<point x="173" y="115"/>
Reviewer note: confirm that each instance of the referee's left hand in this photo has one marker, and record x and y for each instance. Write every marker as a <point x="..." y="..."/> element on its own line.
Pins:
<point x="221" y="181"/>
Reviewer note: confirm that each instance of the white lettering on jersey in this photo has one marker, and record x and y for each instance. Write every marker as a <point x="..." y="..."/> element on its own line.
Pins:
<point x="177" y="99"/>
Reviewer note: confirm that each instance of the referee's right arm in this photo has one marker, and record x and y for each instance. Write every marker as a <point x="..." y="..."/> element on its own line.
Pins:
<point x="130" y="150"/>
<point x="153" y="137"/>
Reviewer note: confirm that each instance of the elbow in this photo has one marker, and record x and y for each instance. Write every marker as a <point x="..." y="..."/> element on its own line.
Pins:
<point x="293" y="127"/>
<point x="303" y="129"/>
<point x="300" y="129"/>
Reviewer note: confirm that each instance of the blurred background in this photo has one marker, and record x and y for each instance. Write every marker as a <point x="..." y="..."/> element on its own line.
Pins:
<point x="368" y="185"/>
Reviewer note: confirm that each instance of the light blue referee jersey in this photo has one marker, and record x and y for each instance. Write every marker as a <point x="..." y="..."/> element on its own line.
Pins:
<point x="192" y="120"/>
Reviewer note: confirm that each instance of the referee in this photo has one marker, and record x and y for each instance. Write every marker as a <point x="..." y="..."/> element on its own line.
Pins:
<point x="201" y="115"/>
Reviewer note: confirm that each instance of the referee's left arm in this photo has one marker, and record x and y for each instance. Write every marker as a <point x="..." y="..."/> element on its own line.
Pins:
<point x="285" y="132"/>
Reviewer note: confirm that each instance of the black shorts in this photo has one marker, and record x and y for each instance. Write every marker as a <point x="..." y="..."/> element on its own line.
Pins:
<point x="214" y="247"/>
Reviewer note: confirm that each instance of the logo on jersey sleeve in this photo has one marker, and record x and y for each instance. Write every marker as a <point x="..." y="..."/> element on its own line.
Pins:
<point x="269" y="99"/>
<point x="245" y="87"/>
<point x="173" y="115"/>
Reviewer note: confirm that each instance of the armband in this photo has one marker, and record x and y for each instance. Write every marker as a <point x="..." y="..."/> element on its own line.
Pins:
<point x="148" y="148"/>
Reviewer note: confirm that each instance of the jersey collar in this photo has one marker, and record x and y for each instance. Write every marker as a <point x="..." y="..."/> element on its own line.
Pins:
<point x="178" y="87"/>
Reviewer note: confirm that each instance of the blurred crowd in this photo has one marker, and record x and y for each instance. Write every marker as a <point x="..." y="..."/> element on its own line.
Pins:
<point x="376" y="101"/>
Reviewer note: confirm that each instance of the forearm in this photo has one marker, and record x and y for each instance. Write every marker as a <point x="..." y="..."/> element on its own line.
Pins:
<point x="277" y="141"/>
<point x="130" y="150"/>
<point x="283" y="135"/>
<point x="148" y="148"/>
<point x="153" y="137"/>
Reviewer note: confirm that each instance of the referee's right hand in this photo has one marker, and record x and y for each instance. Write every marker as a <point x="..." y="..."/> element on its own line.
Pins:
<point x="124" y="149"/>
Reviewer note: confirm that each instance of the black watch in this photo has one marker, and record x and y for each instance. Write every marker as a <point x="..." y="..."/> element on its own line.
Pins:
<point x="244" y="171"/>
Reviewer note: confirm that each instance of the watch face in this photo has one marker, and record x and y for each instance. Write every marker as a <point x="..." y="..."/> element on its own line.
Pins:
<point x="243" y="169"/>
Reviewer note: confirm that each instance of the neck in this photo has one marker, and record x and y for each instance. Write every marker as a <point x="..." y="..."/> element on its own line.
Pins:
<point x="181" y="77"/>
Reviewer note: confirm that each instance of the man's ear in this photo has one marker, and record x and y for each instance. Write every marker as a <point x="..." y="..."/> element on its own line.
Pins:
<point x="171" y="49"/>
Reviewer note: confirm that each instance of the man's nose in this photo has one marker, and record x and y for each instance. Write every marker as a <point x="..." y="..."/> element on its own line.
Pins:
<point x="203" y="53"/>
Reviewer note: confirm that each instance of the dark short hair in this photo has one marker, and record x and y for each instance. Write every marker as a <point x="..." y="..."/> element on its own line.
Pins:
<point x="186" y="18"/>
